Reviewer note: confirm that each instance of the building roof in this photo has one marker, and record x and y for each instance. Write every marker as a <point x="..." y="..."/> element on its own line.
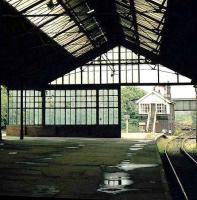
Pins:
<point x="154" y="93"/>
<point x="41" y="40"/>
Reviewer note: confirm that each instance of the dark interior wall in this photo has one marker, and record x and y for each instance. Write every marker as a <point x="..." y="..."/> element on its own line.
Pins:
<point x="102" y="131"/>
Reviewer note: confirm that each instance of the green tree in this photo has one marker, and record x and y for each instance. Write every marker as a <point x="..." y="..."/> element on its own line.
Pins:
<point x="129" y="96"/>
<point x="193" y="114"/>
<point x="4" y="105"/>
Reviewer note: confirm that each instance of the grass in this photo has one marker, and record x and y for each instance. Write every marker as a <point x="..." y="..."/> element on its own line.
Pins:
<point x="190" y="146"/>
<point x="161" y="143"/>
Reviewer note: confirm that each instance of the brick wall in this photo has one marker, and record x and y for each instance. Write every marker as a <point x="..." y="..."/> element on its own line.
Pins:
<point x="106" y="131"/>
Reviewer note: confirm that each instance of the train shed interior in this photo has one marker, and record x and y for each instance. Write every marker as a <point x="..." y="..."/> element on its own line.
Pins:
<point x="63" y="60"/>
<point x="63" y="65"/>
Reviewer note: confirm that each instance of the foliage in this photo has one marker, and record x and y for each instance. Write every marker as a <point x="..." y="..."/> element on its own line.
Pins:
<point x="193" y="114"/>
<point x="4" y="106"/>
<point x="178" y="131"/>
<point x="185" y="119"/>
<point x="129" y="96"/>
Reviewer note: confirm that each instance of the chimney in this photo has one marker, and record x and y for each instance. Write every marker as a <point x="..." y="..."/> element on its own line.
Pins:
<point x="167" y="92"/>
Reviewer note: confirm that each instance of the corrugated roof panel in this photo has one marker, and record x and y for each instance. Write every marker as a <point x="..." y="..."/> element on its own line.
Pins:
<point x="150" y="19"/>
<point x="22" y="4"/>
<point x="53" y="20"/>
<point x="57" y="25"/>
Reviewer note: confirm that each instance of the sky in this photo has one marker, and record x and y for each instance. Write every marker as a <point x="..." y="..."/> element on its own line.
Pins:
<point x="177" y="91"/>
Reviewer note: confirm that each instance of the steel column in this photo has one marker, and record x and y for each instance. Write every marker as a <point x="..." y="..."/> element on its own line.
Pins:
<point x="196" y="112"/>
<point x="0" y="116"/>
<point x="119" y="109"/>
<point x="21" y="111"/>
<point x="97" y="107"/>
<point x="43" y="107"/>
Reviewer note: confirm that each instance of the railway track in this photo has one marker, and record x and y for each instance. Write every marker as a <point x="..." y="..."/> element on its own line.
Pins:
<point x="182" y="168"/>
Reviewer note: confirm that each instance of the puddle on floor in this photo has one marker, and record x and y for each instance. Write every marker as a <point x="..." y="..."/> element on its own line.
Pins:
<point x="139" y="145"/>
<point x="45" y="190"/>
<point x="135" y="148"/>
<point x="47" y="158"/>
<point x="152" y="182"/>
<point x="130" y="154"/>
<point x="115" y="182"/>
<point x="74" y="147"/>
<point x="32" y="163"/>
<point x="127" y="166"/>
<point x="12" y="153"/>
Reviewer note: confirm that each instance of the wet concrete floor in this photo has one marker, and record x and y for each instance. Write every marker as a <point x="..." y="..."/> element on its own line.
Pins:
<point x="82" y="169"/>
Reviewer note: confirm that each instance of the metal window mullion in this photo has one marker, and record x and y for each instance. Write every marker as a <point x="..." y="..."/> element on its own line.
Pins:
<point x="86" y="106"/>
<point x="138" y="68"/>
<point x="25" y="123"/>
<point x="8" y="108"/>
<point x="65" y="121"/>
<point x="119" y="63"/>
<point x="76" y="107"/>
<point x="158" y="74"/>
<point x="97" y="107"/>
<point x="177" y="77"/>
<point x="34" y="103"/>
<point x="108" y="106"/>
<point x="100" y="68"/>
<point x="54" y="107"/>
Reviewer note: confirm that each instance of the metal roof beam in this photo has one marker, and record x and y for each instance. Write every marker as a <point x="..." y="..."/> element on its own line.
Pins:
<point x="138" y="12"/>
<point x="141" y="25"/>
<point x="70" y="13"/>
<point x="68" y="28"/>
<point x="134" y="32"/>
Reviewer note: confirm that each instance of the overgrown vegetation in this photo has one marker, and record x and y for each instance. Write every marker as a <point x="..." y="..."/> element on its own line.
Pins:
<point x="184" y="119"/>
<point x="4" y="106"/>
<point x="129" y="95"/>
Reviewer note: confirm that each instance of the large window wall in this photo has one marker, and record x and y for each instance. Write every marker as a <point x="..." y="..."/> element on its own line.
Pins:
<point x="70" y="107"/>
<point x="65" y="107"/>
<point x="32" y="104"/>
<point x="108" y="106"/>
<point x="121" y="66"/>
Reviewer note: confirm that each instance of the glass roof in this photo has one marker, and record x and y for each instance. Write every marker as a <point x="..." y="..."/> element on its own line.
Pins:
<point x="145" y="19"/>
<point x="75" y="25"/>
<point x="77" y="34"/>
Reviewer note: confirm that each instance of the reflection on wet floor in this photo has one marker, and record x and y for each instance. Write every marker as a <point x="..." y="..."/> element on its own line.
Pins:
<point x="130" y="154"/>
<point x="120" y="181"/>
<point x="115" y="182"/>
<point x="127" y="166"/>
<point x="12" y="153"/>
<point x="139" y="145"/>
<point x="135" y="148"/>
<point x="72" y="147"/>
<point x="42" y="190"/>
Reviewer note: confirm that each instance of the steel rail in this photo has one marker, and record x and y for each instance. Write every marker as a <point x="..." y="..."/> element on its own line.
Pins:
<point x="185" y="151"/>
<point x="172" y="167"/>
